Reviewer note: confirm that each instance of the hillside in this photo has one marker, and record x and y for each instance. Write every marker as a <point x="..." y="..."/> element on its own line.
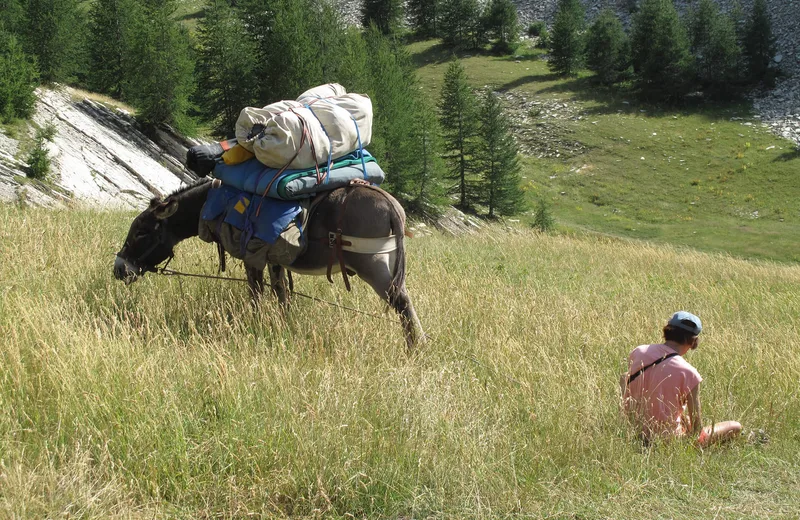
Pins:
<point x="172" y="399"/>
<point x="712" y="177"/>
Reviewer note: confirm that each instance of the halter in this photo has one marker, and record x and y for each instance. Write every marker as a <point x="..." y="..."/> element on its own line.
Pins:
<point x="160" y="241"/>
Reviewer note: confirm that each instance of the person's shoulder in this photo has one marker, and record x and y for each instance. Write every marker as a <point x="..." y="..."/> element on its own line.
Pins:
<point x="688" y="368"/>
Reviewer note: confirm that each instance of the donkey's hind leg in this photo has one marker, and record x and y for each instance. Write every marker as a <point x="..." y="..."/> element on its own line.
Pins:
<point x="374" y="269"/>
<point x="278" y="283"/>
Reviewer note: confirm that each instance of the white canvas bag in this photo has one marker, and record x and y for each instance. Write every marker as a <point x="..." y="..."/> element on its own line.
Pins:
<point x="325" y="123"/>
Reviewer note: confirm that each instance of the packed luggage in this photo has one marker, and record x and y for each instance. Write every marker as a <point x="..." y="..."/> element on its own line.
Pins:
<point x="284" y="154"/>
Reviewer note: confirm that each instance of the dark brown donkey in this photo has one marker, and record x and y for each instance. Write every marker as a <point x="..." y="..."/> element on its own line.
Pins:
<point x="368" y="213"/>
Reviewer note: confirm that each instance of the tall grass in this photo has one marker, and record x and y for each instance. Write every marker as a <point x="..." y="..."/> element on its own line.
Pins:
<point x="173" y="399"/>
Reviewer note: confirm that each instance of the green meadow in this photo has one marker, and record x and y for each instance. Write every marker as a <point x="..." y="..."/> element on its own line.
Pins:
<point x="704" y="175"/>
<point x="173" y="398"/>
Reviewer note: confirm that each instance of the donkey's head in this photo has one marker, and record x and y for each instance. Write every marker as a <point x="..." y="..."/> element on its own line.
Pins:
<point x="150" y="240"/>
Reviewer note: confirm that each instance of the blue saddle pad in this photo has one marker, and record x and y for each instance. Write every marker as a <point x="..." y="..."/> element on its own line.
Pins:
<point x="262" y="217"/>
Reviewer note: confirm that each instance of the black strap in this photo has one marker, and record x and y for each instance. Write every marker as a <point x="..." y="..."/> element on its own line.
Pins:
<point x="657" y="361"/>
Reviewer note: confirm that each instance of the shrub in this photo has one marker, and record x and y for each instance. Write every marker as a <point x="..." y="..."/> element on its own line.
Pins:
<point x="607" y="48"/>
<point x="537" y="28"/>
<point x="39" y="157"/>
<point x="542" y="218"/>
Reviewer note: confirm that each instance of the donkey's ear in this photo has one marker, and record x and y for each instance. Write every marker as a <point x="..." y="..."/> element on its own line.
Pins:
<point x="166" y="209"/>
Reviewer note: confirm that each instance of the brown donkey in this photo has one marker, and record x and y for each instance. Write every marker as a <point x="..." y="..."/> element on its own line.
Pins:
<point x="357" y="211"/>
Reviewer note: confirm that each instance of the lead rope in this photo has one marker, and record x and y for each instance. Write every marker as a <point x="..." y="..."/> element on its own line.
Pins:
<point x="171" y="272"/>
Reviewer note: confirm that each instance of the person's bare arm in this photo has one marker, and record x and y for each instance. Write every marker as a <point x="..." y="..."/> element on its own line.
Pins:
<point x="693" y="410"/>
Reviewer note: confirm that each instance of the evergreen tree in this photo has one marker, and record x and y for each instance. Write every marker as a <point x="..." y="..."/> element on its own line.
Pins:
<point x="566" y="39"/>
<point x="424" y="16"/>
<point x="427" y="167"/>
<point x="55" y="33"/>
<point x="353" y="66"/>
<point x="385" y="14"/>
<point x="226" y="72"/>
<point x="460" y="22"/>
<point x="715" y="49"/>
<point x="160" y="67"/>
<point x="12" y="16"/>
<point x="498" y="161"/>
<point x="459" y="125"/>
<point x="394" y="92"/>
<point x="660" y="51"/>
<point x="296" y="48"/>
<point x="500" y="22"/>
<point x="110" y="33"/>
<point x="607" y="48"/>
<point x="18" y="79"/>
<point x="759" y="43"/>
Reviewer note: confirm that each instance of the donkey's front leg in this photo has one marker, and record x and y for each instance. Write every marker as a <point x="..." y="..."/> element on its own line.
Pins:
<point x="279" y="283"/>
<point x="255" y="280"/>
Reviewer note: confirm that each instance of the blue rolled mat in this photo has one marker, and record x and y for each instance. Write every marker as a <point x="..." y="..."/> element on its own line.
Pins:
<point x="254" y="177"/>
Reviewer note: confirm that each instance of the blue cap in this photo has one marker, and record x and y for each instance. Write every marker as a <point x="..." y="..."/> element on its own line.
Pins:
<point x="686" y="321"/>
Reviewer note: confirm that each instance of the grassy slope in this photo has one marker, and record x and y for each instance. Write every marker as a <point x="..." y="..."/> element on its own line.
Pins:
<point x="171" y="399"/>
<point x="701" y="181"/>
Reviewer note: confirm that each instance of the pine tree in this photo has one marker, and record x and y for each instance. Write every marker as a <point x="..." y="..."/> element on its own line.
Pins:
<point x="715" y="49"/>
<point x="12" y="16"/>
<point x="566" y="39"/>
<point x="110" y="27"/>
<point x="160" y="66"/>
<point x="18" y="79"/>
<point x="459" y="126"/>
<point x="353" y="66"/>
<point x="296" y="48"/>
<point x="385" y="14"/>
<point x="226" y="72"/>
<point x="55" y="34"/>
<point x="498" y="161"/>
<point x="607" y="48"/>
<point x="660" y="51"/>
<point x="500" y="21"/>
<point x="460" y="22"/>
<point x="424" y="16"/>
<point x="394" y="92"/>
<point x="759" y="43"/>
<point x="426" y="167"/>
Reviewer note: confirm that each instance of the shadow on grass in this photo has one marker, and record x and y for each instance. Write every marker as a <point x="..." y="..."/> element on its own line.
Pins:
<point x="531" y="78"/>
<point x="788" y="156"/>
<point x="626" y="98"/>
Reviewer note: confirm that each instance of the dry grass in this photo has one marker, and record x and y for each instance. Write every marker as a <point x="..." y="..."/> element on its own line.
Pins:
<point x="173" y="399"/>
<point x="77" y="94"/>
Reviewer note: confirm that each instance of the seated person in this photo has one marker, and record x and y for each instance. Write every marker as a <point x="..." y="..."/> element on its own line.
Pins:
<point x="661" y="390"/>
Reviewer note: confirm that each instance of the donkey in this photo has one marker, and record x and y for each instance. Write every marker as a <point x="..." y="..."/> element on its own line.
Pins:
<point x="358" y="211"/>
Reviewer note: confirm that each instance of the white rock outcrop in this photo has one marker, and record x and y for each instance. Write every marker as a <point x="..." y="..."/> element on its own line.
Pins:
<point x="99" y="158"/>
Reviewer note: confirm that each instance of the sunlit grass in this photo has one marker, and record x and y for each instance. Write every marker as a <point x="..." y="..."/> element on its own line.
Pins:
<point x="172" y="398"/>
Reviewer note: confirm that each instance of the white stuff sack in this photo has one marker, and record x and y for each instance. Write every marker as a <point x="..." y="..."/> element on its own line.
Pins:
<point x="336" y="124"/>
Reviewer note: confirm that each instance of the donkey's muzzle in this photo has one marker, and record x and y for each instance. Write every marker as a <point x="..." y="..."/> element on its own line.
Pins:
<point x="124" y="270"/>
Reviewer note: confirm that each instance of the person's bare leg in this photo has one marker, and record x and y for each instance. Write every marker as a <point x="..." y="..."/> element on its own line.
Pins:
<point x="722" y="432"/>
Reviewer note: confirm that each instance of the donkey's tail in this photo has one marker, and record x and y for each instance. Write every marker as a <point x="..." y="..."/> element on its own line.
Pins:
<point x="398" y="222"/>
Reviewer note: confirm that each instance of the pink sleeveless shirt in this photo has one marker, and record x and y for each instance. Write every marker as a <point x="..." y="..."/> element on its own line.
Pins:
<point x="656" y="399"/>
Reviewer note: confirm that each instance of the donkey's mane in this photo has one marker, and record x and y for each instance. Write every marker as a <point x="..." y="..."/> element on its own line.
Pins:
<point x="183" y="189"/>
